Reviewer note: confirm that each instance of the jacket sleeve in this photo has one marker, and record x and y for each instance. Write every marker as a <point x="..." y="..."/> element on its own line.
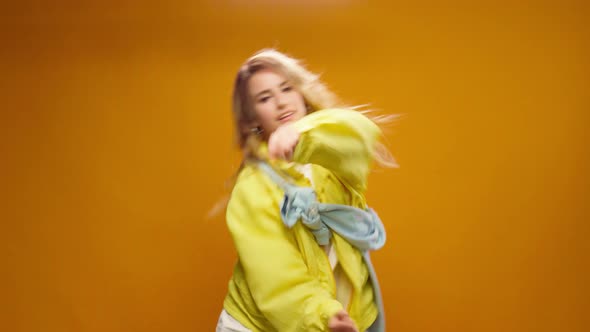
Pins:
<point x="278" y="279"/>
<point x="340" y="140"/>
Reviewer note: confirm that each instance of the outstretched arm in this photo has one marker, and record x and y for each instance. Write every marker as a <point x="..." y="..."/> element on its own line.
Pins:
<point x="340" y="140"/>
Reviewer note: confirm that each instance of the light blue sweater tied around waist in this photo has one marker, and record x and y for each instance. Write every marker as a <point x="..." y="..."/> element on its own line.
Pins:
<point x="361" y="228"/>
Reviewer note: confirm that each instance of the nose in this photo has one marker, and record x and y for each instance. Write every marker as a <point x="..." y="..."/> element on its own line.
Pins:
<point x="281" y="101"/>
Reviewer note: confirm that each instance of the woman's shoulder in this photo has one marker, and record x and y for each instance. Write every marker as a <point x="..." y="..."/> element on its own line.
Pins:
<point x="338" y="119"/>
<point x="338" y="112"/>
<point x="334" y="113"/>
<point x="252" y="179"/>
<point x="249" y="176"/>
<point x="253" y="188"/>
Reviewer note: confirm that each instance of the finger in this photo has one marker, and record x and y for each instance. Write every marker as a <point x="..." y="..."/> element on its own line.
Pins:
<point x="339" y="317"/>
<point x="342" y="314"/>
<point x="271" y="146"/>
<point x="289" y="154"/>
<point x="341" y="326"/>
<point x="274" y="150"/>
<point x="338" y="325"/>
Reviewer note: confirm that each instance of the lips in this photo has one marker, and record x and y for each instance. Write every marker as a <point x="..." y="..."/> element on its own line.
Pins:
<point x="286" y="116"/>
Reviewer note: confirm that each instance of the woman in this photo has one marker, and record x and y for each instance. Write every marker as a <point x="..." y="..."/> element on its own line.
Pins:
<point x="297" y="213"/>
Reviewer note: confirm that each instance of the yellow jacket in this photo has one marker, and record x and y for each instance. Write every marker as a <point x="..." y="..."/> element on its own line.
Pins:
<point x="283" y="280"/>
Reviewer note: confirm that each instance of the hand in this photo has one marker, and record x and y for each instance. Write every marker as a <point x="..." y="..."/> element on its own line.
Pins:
<point x="282" y="142"/>
<point x="341" y="322"/>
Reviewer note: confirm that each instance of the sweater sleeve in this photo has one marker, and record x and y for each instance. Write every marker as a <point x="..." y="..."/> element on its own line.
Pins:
<point x="340" y="140"/>
<point x="276" y="274"/>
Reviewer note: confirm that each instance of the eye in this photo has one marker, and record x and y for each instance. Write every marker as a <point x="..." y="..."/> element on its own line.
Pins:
<point x="263" y="99"/>
<point x="287" y="88"/>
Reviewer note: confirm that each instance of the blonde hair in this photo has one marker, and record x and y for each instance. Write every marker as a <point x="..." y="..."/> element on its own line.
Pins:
<point x="315" y="95"/>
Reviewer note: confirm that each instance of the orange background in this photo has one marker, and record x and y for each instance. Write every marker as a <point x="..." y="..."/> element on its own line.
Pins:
<point x="116" y="140"/>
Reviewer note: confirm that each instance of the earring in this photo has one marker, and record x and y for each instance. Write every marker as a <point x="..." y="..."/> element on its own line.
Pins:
<point x="256" y="130"/>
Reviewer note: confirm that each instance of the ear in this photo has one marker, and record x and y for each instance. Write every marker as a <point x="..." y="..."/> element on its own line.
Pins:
<point x="251" y="127"/>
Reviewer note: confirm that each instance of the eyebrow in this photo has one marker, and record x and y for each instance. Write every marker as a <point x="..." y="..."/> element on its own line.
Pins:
<point x="268" y="90"/>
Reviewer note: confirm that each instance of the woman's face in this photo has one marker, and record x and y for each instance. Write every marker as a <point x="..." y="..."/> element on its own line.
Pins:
<point x="276" y="101"/>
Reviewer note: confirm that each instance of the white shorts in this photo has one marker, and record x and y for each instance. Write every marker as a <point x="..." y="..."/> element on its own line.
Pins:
<point x="227" y="323"/>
